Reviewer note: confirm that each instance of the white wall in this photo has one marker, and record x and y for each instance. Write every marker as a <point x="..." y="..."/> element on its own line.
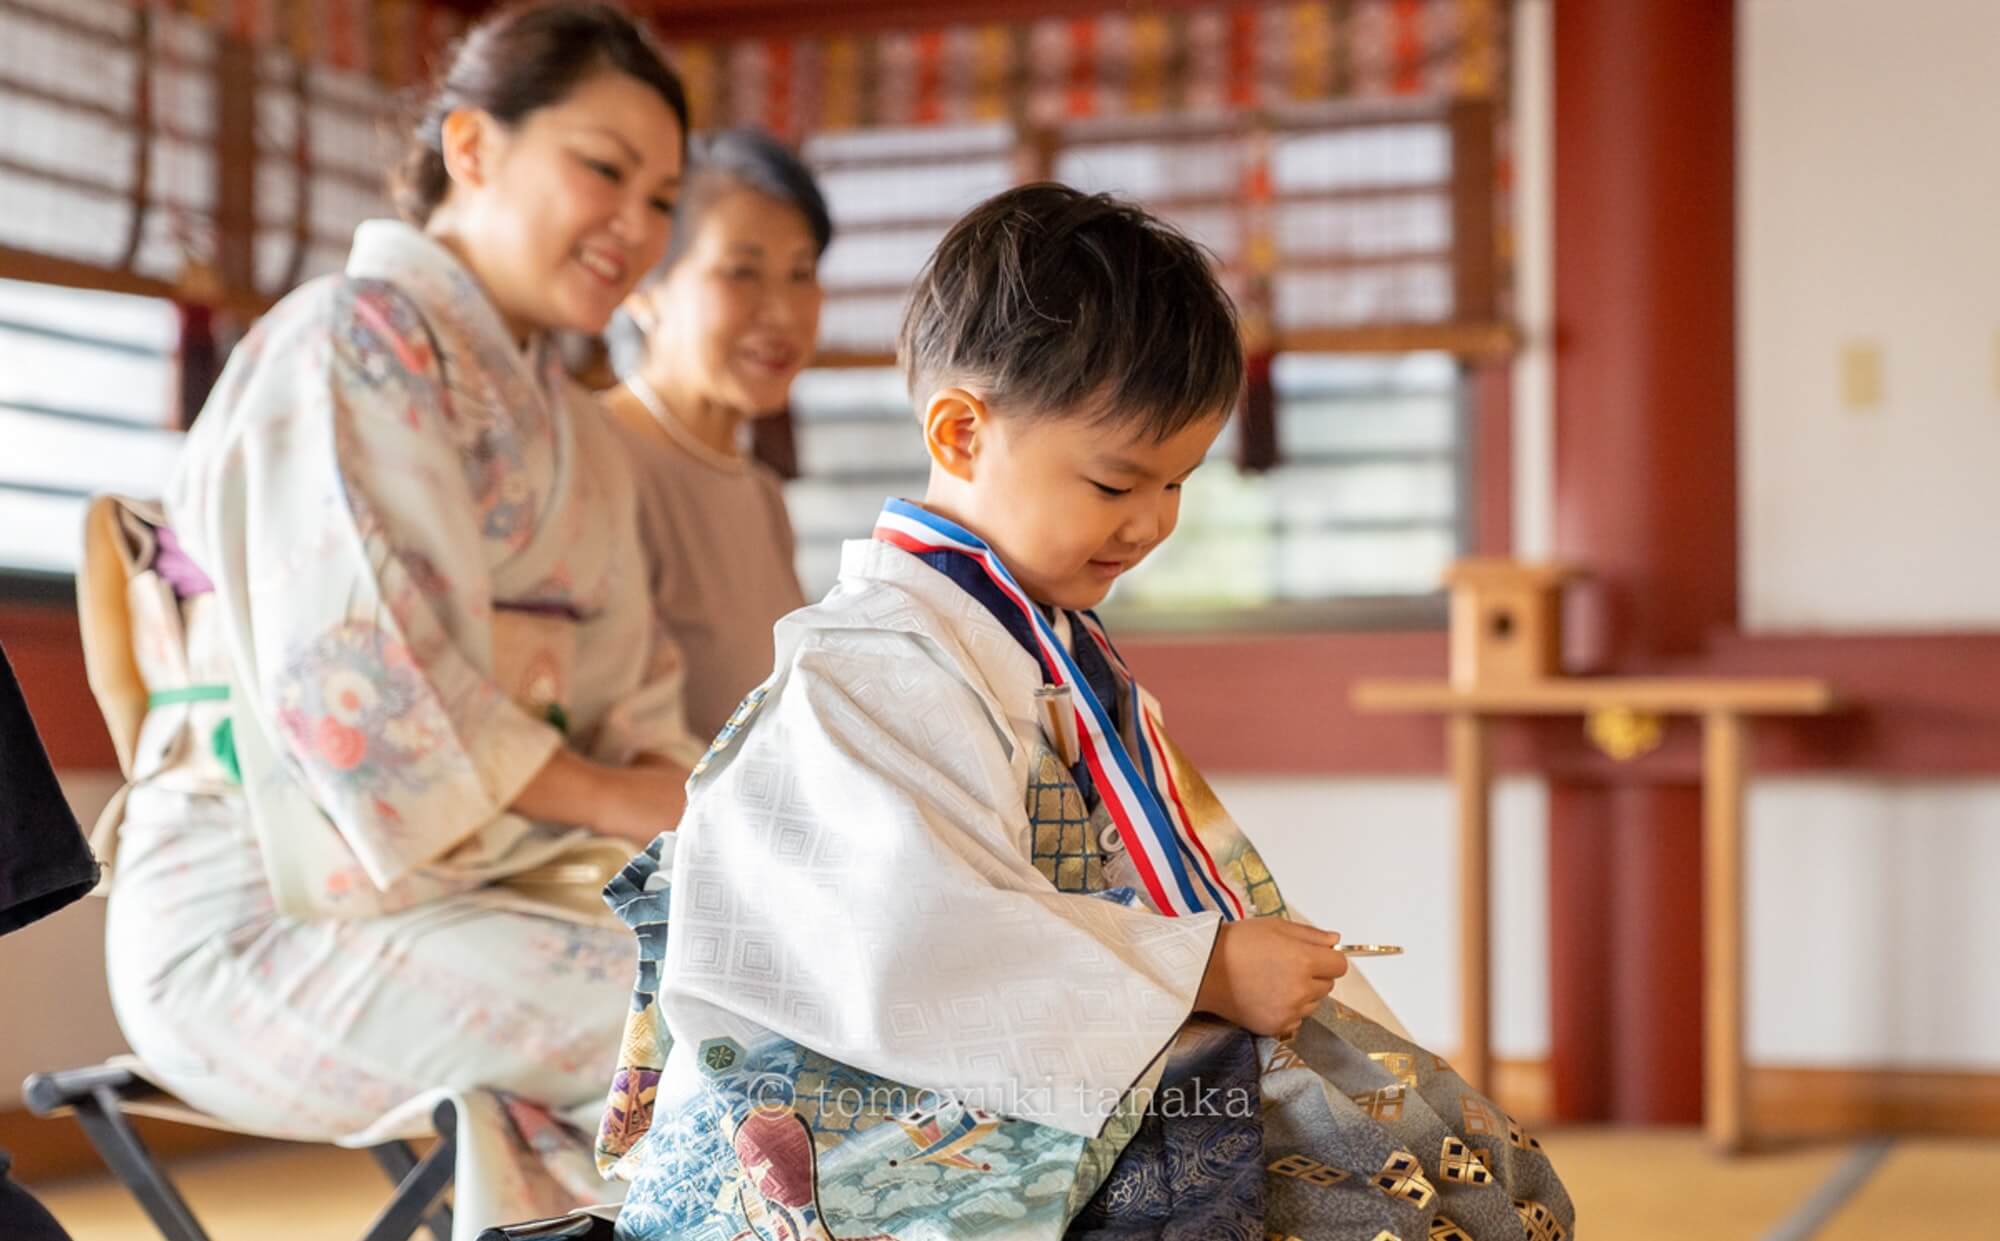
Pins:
<point x="1868" y="915"/>
<point x="1868" y="191"/>
<point x="58" y="1012"/>
<point x="1376" y="860"/>
<point x="1871" y="923"/>
<point x="1869" y="210"/>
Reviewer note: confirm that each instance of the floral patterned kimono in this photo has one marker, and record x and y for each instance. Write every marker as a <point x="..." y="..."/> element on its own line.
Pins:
<point x="423" y="576"/>
<point x="901" y="979"/>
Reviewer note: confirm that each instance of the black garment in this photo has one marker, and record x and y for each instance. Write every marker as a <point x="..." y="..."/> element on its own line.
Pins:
<point x="21" y="1217"/>
<point x="45" y="863"/>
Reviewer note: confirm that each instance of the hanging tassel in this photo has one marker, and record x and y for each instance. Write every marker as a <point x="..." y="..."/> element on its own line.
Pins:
<point x="200" y="359"/>
<point x="772" y="442"/>
<point x="1257" y="426"/>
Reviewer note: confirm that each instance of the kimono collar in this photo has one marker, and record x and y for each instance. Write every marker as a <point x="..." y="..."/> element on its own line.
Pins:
<point x="455" y="304"/>
<point x="1010" y="672"/>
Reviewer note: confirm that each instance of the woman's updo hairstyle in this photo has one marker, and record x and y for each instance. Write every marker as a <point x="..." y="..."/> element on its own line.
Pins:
<point x="523" y="58"/>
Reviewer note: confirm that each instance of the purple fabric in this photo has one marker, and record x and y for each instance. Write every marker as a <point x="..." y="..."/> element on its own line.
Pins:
<point x="178" y="569"/>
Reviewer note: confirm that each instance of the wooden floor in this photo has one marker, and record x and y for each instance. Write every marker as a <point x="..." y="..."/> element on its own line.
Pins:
<point x="1630" y="1185"/>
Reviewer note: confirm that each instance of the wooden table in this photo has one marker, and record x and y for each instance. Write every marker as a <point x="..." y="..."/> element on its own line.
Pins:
<point x="1723" y="706"/>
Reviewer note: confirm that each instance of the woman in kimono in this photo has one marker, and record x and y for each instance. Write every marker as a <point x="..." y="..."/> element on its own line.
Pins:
<point x="407" y="694"/>
<point x="952" y="942"/>
<point x="709" y="344"/>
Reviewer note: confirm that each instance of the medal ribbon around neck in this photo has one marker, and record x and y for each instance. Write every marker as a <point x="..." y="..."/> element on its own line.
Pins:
<point x="1142" y="797"/>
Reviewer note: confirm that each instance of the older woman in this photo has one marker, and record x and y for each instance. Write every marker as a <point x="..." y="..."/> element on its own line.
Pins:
<point x="713" y="339"/>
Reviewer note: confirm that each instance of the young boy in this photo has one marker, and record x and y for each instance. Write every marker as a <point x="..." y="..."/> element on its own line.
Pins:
<point x="961" y="947"/>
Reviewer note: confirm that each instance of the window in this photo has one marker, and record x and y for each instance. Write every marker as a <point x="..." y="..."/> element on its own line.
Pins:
<point x="1363" y="514"/>
<point x="1364" y="231"/>
<point x="69" y="149"/>
<point x="139" y="145"/>
<point x="1337" y="223"/>
<point x="893" y="194"/>
<point x="138" y="137"/>
<point x="324" y="139"/>
<point x="86" y="386"/>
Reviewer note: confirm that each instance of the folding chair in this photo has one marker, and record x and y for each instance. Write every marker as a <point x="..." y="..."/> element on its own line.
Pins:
<point x="119" y="541"/>
<point x="105" y="1097"/>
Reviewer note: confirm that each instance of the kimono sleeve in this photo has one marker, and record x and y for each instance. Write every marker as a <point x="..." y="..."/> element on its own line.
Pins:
<point x="347" y="518"/>
<point x="854" y="878"/>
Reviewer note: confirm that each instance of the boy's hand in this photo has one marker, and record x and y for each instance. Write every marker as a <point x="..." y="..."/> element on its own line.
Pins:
<point x="1267" y="974"/>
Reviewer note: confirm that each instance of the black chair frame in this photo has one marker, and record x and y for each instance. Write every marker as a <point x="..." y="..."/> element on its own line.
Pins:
<point x="100" y="1095"/>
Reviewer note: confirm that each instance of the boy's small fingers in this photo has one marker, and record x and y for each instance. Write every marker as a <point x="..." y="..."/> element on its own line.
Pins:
<point x="1313" y="935"/>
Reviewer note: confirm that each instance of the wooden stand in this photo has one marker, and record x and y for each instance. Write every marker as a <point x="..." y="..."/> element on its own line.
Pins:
<point x="1722" y="706"/>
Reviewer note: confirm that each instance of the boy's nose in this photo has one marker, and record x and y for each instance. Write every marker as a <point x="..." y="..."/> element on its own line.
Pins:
<point x="1141" y="530"/>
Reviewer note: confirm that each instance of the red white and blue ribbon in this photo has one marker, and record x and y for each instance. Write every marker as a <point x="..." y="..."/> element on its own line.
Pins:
<point x="1142" y="798"/>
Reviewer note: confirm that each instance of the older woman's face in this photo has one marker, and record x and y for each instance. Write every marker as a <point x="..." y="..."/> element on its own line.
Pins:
<point x="738" y="314"/>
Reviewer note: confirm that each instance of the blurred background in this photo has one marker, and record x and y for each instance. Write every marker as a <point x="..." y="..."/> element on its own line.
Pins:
<point x="1700" y="298"/>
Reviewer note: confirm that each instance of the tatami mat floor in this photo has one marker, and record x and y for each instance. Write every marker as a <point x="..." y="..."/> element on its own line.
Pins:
<point x="1630" y="1185"/>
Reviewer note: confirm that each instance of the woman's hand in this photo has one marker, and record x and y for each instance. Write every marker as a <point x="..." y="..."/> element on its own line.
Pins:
<point x="1267" y="974"/>
<point x="633" y="803"/>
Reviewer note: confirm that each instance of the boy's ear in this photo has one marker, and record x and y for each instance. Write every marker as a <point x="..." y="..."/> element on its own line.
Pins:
<point x="953" y="421"/>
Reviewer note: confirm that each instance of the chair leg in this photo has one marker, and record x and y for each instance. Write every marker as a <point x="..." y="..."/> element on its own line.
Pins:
<point x="111" y="1132"/>
<point x="398" y="1160"/>
<point x="420" y="1187"/>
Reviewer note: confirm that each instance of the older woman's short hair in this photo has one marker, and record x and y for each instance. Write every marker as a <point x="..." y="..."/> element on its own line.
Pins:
<point x="719" y="163"/>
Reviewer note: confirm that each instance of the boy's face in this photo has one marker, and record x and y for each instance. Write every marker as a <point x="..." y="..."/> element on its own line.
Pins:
<point x="1068" y="505"/>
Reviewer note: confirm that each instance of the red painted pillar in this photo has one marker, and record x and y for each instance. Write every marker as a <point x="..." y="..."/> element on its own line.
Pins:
<point x="1646" y="498"/>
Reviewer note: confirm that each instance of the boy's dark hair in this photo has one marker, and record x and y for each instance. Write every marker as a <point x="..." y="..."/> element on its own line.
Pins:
<point x="1051" y="301"/>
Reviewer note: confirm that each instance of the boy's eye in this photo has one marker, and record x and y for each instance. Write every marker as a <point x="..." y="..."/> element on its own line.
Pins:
<point x="1111" y="491"/>
<point x="665" y="206"/>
